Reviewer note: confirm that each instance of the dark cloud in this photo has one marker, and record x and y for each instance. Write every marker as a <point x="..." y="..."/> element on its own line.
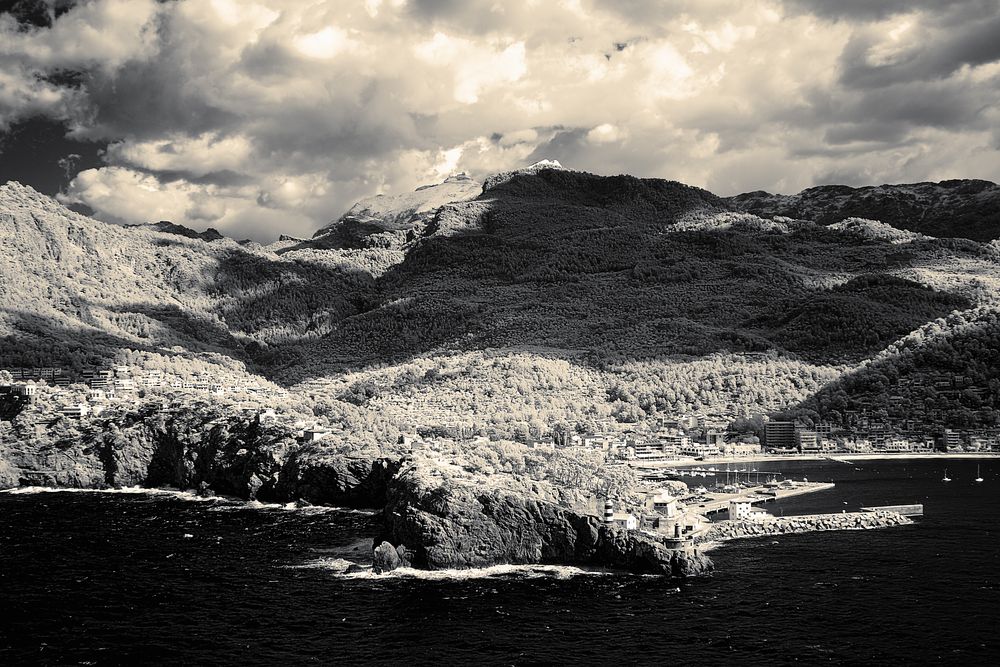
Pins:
<point x="566" y="146"/>
<point x="934" y="54"/>
<point x="869" y="10"/>
<point x="37" y="152"/>
<point x="35" y="13"/>
<point x="886" y="132"/>
<point x="144" y="99"/>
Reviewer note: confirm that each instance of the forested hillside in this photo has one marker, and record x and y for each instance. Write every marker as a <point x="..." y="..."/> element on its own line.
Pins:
<point x="617" y="267"/>
<point x="74" y="291"/>
<point x="961" y="208"/>
<point x="611" y="297"/>
<point x="947" y="372"/>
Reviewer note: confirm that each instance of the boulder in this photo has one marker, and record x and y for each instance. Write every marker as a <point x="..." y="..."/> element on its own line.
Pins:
<point x="385" y="558"/>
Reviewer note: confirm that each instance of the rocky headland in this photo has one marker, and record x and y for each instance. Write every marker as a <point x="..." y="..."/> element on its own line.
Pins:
<point x="446" y="522"/>
<point x="435" y="515"/>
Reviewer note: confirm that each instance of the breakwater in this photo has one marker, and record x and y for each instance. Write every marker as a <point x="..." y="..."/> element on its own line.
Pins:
<point x="730" y="530"/>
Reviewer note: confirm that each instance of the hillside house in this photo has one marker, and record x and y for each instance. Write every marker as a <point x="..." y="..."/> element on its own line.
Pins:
<point x="76" y="411"/>
<point x="315" y="434"/>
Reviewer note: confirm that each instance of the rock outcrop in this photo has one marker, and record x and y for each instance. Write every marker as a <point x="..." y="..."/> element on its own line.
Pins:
<point x="235" y="457"/>
<point x="332" y="479"/>
<point x="469" y="523"/>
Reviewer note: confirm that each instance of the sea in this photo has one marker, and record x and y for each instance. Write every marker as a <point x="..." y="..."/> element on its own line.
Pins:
<point x="129" y="577"/>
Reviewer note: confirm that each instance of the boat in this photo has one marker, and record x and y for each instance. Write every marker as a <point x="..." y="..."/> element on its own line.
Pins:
<point x="946" y="478"/>
<point x="978" y="478"/>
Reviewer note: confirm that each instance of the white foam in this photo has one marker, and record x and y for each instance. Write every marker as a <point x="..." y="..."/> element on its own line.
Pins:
<point x="339" y="565"/>
<point x="128" y="490"/>
<point x="292" y="507"/>
<point x="223" y="503"/>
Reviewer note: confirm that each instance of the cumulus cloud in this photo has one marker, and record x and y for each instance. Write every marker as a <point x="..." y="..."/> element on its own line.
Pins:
<point x="262" y="117"/>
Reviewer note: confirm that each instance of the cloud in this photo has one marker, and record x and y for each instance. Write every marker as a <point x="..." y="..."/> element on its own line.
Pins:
<point x="262" y="117"/>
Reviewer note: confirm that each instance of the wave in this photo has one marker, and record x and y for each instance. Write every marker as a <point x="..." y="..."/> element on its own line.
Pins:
<point x="338" y="567"/>
<point x="291" y="507"/>
<point x="128" y="490"/>
<point x="220" y="503"/>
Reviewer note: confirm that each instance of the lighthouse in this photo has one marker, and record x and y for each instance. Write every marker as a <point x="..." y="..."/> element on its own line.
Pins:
<point x="609" y="511"/>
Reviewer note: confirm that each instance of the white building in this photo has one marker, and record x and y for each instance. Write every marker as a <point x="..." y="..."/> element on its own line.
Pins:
<point x="76" y="411"/>
<point x="699" y="449"/>
<point x="740" y="449"/>
<point x="625" y="520"/>
<point x="742" y="509"/>
<point x="661" y="502"/>
<point x="314" y="434"/>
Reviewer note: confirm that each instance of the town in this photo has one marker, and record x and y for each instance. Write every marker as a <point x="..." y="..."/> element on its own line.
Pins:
<point x="687" y="438"/>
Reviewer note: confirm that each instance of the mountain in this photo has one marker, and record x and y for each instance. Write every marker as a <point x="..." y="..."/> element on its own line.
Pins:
<point x="168" y="227"/>
<point x="391" y="220"/>
<point x="74" y="291"/>
<point x="958" y="208"/>
<point x="621" y="267"/>
<point x="610" y="297"/>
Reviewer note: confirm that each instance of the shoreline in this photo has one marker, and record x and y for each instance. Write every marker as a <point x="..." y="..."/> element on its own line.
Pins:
<point x="835" y="458"/>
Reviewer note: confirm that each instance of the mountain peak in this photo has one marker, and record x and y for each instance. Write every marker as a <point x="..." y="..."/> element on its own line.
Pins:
<point x="544" y="164"/>
<point x="393" y="217"/>
<point x="167" y="227"/>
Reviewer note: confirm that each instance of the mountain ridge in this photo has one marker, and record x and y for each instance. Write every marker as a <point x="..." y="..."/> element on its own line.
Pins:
<point x="605" y="272"/>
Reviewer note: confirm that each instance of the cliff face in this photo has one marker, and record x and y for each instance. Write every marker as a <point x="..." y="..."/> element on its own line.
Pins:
<point x="236" y="457"/>
<point x="464" y="524"/>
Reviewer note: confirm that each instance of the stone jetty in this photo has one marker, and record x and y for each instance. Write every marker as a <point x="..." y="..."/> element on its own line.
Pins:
<point x="729" y="530"/>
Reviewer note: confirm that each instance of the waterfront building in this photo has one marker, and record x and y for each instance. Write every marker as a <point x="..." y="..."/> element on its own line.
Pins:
<point x="699" y="450"/>
<point x="717" y="438"/>
<point x="649" y="451"/>
<point x="685" y="524"/>
<point x="897" y="445"/>
<point x="806" y="441"/>
<point x="780" y="435"/>
<point x="740" y="449"/>
<point x="951" y="440"/>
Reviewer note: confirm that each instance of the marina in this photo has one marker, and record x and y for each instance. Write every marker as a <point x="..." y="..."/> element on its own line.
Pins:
<point x="715" y="502"/>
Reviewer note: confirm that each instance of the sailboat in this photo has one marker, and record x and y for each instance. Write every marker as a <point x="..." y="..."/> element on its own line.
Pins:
<point x="978" y="477"/>
<point x="946" y="478"/>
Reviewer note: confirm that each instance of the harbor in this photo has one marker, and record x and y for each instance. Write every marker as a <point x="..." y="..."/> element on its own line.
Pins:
<point x="713" y="502"/>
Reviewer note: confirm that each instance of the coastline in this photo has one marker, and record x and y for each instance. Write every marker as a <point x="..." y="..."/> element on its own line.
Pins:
<point x="837" y="458"/>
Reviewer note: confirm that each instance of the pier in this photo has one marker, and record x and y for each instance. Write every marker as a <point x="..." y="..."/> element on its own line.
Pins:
<point x="906" y="510"/>
<point x="719" y="502"/>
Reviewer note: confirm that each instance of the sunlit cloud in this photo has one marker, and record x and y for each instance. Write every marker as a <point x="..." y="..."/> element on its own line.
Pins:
<point x="270" y="117"/>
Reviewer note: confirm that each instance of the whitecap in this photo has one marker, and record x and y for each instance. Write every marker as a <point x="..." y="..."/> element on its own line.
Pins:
<point x="338" y="567"/>
<point x="127" y="490"/>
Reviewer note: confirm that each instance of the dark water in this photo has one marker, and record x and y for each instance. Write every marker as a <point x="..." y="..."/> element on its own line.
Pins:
<point x="88" y="578"/>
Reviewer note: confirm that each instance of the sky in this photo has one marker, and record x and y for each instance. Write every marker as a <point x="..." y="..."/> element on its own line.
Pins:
<point x="268" y="117"/>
